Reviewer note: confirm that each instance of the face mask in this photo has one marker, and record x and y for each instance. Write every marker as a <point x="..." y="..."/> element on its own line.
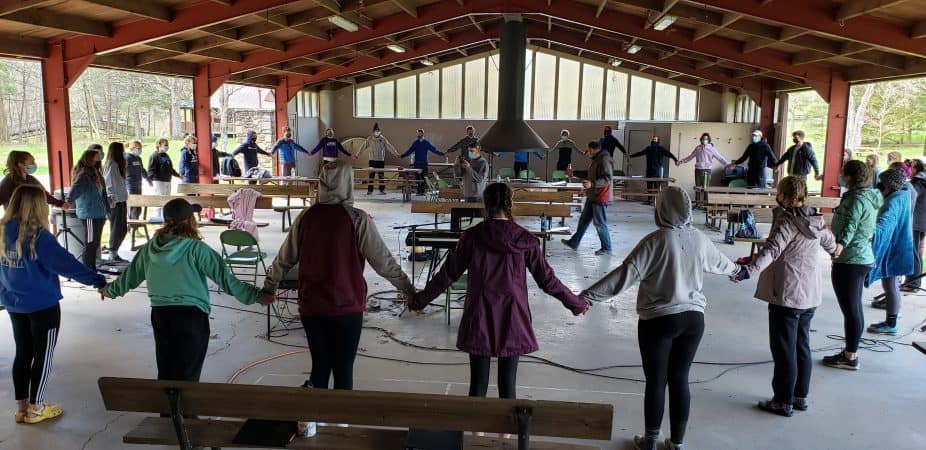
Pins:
<point x="607" y="132"/>
<point x="705" y="142"/>
<point x="469" y="133"/>
<point x="796" y="141"/>
<point x="755" y="139"/>
<point x="289" y="135"/>
<point x="654" y="142"/>
<point x="193" y="146"/>
<point x="164" y="149"/>
<point x="377" y="133"/>
<point x="420" y="137"/>
<point x="472" y="155"/>
<point x="31" y="169"/>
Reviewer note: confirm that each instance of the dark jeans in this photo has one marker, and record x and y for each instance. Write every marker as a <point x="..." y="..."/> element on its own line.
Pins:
<point x="667" y="346"/>
<point x="519" y="167"/>
<point x="789" y="340"/>
<point x="892" y="297"/>
<point x="917" y="259"/>
<point x="421" y="176"/>
<point x="593" y="212"/>
<point x="135" y="211"/>
<point x="35" y="335"/>
<point x="848" y="283"/>
<point x="755" y="177"/>
<point x="286" y="169"/>
<point x="92" y="242"/>
<point x="382" y="184"/>
<point x="181" y="339"/>
<point x="118" y="227"/>
<point x="702" y="179"/>
<point x="333" y="342"/>
<point x="479" y="376"/>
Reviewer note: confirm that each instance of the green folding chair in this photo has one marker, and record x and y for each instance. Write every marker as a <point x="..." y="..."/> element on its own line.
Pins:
<point x="431" y="194"/>
<point x="457" y="287"/>
<point x="738" y="183"/>
<point x="528" y="175"/>
<point x="506" y="172"/>
<point x="243" y="255"/>
<point x="558" y="175"/>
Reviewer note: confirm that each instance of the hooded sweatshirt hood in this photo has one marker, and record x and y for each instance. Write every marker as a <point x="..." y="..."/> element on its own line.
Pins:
<point x="168" y="250"/>
<point x="336" y="185"/>
<point x="673" y="208"/>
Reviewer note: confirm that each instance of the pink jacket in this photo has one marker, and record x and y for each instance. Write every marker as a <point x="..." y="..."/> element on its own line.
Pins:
<point x="242" y="205"/>
<point x="703" y="154"/>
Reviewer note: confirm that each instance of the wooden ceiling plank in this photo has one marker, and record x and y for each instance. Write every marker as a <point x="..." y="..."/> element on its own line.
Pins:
<point x="153" y="56"/>
<point x="854" y="8"/>
<point x="476" y="23"/>
<point x="62" y="22"/>
<point x="406" y="6"/>
<point x="667" y="6"/>
<point x="11" y="6"/>
<point x="12" y="45"/>
<point x="146" y="9"/>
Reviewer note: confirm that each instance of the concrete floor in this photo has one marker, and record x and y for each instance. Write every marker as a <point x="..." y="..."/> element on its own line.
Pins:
<point x="878" y="407"/>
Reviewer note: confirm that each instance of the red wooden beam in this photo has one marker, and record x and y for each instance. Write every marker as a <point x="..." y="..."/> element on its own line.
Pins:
<point x="767" y="112"/>
<point x="140" y="31"/>
<point x="607" y="47"/>
<point x="816" y="75"/>
<point x="427" y="15"/>
<point x="367" y="62"/>
<point x="836" y="122"/>
<point x="817" y="16"/>
<point x="57" y="117"/>
<point x="202" y="116"/>
<point x="282" y="94"/>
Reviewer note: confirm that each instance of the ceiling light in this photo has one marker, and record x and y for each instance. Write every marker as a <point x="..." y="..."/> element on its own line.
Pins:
<point x="427" y="62"/>
<point x="343" y="23"/>
<point x="615" y="62"/>
<point x="396" y="48"/>
<point x="664" y="23"/>
<point x="633" y="49"/>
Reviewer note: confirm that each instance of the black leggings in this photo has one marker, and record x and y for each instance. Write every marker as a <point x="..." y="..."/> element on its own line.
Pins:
<point x="181" y="340"/>
<point x="382" y="184"/>
<point x="333" y="342"/>
<point x="479" y="376"/>
<point x="667" y="346"/>
<point x="848" y="283"/>
<point x="36" y="335"/>
<point x="92" y="241"/>
<point x="118" y="227"/>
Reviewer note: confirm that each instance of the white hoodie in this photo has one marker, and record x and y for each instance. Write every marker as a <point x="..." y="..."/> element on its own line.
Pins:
<point x="669" y="263"/>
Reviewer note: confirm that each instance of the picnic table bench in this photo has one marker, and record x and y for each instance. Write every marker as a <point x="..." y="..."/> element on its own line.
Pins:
<point x="307" y="192"/>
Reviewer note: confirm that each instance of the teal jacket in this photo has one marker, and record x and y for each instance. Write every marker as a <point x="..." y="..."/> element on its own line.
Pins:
<point x="88" y="198"/>
<point x="176" y="270"/>
<point x="893" y="240"/>
<point x="854" y="225"/>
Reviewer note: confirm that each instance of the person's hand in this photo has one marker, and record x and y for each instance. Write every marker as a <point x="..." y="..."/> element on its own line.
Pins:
<point x="353" y="157"/>
<point x="65" y="205"/>
<point x="102" y="292"/>
<point x="678" y="163"/>
<point x="839" y="249"/>
<point x="586" y="184"/>
<point x="819" y="177"/>
<point x="731" y="166"/>
<point x="112" y="204"/>
<point x="150" y="183"/>
<point x="267" y="298"/>
<point x="466" y="164"/>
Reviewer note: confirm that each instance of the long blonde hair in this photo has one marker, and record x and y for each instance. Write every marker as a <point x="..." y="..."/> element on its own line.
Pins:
<point x="29" y="207"/>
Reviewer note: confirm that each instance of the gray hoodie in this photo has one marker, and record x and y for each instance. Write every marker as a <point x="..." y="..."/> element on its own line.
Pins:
<point x="669" y="263"/>
<point x="473" y="178"/>
<point x="377" y="145"/>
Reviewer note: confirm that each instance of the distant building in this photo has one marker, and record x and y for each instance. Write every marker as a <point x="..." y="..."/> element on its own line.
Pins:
<point x="249" y="108"/>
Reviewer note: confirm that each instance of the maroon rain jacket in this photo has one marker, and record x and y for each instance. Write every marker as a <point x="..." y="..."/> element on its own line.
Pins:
<point x="496" y="315"/>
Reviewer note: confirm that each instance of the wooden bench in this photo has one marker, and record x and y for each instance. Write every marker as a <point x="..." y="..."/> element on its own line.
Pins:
<point x="762" y="215"/>
<point x="157" y="201"/>
<point x="719" y="205"/>
<point x="518" y="209"/>
<point x="229" y="404"/>
<point x="307" y="191"/>
<point x="518" y="196"/>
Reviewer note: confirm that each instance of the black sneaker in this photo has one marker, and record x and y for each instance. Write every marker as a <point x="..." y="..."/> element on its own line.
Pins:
<point x="568" y="243"/>
<point x="839" y="361"/>
<point x="800" y="403"/>
<point x="644" y="442"/>
<point x="879" y="304"/>
<point x="669" y="445"/>
<point x="774" y="407"/>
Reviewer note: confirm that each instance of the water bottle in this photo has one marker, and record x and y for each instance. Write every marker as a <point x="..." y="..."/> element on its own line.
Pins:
<point x="543" y="223"/>
<point x="307" y="429"/>
<point x="498" y="178"/>
<point x="292" y="172"/>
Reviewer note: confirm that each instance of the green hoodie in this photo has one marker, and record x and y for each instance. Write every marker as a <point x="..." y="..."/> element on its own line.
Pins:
<point x="176" y="270"/>
<point x="854" y="225"/>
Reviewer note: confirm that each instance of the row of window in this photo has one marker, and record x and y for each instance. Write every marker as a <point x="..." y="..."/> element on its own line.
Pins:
<point x="562" y="88"/>
<point x="307" y="104"/>
<point x="747" y="110"/>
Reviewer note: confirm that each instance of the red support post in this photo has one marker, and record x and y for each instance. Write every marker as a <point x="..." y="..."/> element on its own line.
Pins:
<point x="282" y="95"/>
<point x="57" y="78"/>
<point x="767" y="112"/>
<point x="836" y="123"/>
<point x="202" y="115"/>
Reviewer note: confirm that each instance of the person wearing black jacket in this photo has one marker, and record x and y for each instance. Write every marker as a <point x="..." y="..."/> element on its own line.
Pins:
<point x="802" y="158"/>
<point x="216" y="153"/>
<point x="134" y="174"/>
<point x="655" y="155"/>
<point x="250" y="149"/>
<point x="609" y="142"/>
<point x="760" y="156"/>
<point x="160" y="171"/>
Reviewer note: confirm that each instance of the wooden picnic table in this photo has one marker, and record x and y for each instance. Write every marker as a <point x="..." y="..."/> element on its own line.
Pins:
<point x="661" y="183"/>
<point x="271" y="180"/>
<point x="402" y="174"/>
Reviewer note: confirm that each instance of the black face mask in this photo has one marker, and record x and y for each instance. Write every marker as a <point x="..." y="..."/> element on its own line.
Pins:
<point x="654" y="143"/>
<point x="796" y="141"/>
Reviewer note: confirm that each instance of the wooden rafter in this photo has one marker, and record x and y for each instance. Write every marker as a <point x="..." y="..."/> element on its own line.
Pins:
<point x="58" y="21"/>
<point x="854" y="8"/>
<point x="146" y="9"/>
<point x="728" y="18"/>
<point x="11" y="6"/>
<point x="22" y="46"/>
<point x="406" y="6"/>
<point x="667" y="6"/>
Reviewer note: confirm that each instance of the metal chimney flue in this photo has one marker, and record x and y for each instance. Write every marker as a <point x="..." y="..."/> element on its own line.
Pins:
<point x="510" y="132"/>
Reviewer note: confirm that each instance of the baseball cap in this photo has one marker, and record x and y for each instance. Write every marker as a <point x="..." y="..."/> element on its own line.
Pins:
<point x="757" y="133"/>
<point x="179" y="210"/>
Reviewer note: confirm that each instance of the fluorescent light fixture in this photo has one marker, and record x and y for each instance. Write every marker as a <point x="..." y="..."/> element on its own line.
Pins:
<point x="633" y="49"/>
<point x="615" y="62"/>
<point x="664" y="22"/>
<point x="427" y="62"/>
<point x="396" y="48"/>
<point x="343" y="23"/>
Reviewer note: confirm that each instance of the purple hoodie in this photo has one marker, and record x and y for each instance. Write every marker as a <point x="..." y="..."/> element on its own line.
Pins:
<point x="496" y="321"/>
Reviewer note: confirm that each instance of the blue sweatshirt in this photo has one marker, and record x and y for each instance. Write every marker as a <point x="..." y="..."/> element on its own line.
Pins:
<point x="134" y="173"/>
<point x="287" y="149"/>
<point x="331" y="148"/>
<point x="420" y="148"/>
<point x="189" y="165"/>
<point x="28" y="285"/>
<point x="522" y="157"/>
<point x="249" y="150"/>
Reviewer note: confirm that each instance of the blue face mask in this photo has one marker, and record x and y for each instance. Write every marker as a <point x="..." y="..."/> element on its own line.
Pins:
<point x="31" y="169"/>
<point x="472" y="155"/>
<point x="755" y="139"/>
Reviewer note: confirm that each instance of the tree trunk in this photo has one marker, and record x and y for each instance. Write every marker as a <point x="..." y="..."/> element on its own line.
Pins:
<point x="857" y="118"/>
<point x="176" y="123"/>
